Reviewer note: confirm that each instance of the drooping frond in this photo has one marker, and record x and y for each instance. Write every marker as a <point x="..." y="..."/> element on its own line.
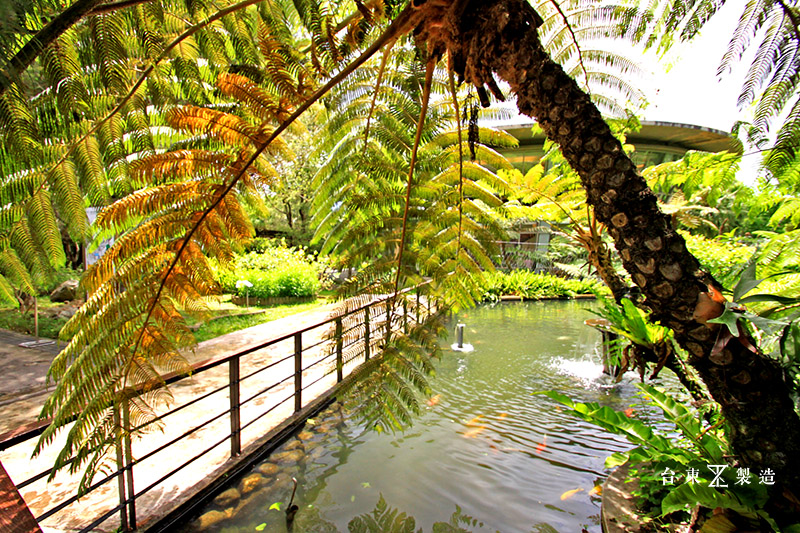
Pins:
<point x="184" y="210"/>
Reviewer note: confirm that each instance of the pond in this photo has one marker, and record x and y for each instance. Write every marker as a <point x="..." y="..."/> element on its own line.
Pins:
<point x="486" y="447"/>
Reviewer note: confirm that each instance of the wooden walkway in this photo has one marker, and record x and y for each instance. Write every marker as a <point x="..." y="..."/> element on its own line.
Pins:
<point x="247" y="385"/>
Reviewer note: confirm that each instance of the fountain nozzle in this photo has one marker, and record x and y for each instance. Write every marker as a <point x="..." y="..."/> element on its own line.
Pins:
<point x="459" y="346"/>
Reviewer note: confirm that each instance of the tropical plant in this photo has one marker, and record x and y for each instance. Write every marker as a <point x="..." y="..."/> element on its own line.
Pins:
<point x="642" y="344"/>
<point x="395" y="216"/>
<point x="701" y="193"/>
<point x="722" y="258"/>
<point x="681" y="475"/>
<point x="531" y="285"/>
<point x="180" y="208"/>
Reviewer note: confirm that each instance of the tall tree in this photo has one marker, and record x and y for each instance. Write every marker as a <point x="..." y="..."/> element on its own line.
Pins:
<point x="500" y="37"/>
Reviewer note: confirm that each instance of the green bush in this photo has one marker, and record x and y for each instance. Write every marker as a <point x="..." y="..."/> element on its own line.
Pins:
<point x="49" y="325"/>
<point x="60" y="276"/>
<point x="723" y="258"/>
<point x="532" y="285"/>
<point x="277" y="271"/>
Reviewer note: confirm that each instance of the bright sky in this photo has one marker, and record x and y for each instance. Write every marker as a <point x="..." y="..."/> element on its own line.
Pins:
<point x="691" y="92"/>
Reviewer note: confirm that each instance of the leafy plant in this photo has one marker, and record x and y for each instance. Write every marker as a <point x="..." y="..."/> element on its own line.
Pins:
<point x="644" y="344"/>
<point x="721" y="257"/>
<point x="658" y="456"/>
<point x="531" y="285"/>
<point x="276" y="271"/>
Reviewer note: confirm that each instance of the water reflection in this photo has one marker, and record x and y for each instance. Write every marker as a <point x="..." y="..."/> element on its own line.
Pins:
<point x="512" y="460"/>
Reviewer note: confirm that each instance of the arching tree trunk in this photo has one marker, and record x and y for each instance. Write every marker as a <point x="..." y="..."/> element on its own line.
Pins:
<point x="499" y="36"/>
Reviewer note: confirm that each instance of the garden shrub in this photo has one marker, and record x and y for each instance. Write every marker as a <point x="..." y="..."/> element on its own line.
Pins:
<point x="531" y="285"/>
<point x="723" y="258"/>
<point x="276" y="271"/>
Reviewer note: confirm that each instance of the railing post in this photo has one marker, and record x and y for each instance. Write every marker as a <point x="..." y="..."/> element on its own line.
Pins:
<point x="388" y="321"/>
<point x="126" y="425"/>
<point x="339" y="362"/>
<point x="123" y="515"/>
<point x="366" y="333"/>
<point x="298" y="371"/>
<point x="236" y="420"/>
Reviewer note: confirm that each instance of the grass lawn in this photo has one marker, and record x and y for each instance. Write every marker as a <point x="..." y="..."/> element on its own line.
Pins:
<point x="220" y="326"/>
<point x="50" y="324"/>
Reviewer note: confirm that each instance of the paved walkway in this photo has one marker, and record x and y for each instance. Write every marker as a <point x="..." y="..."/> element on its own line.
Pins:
<point x="22" y="379"/>
<point x="22" y="392"/>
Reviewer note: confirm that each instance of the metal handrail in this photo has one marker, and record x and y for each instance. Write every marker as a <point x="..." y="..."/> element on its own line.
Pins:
<point x="342" y="354"/>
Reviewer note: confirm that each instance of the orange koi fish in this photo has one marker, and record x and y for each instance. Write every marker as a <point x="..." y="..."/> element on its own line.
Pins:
<point x="597" y="489"/>
<point x="474" y="421"/>
<point x="474" y="432"/>
<point x="628" y="412"/>
<point x="541" y="446"/>
<point x="433" y="400"/>
<point x="570" y="493"/>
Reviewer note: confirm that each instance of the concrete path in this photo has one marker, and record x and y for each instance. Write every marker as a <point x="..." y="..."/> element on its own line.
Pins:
<point x="22" y="379"/>
<point x="22" y="373"/>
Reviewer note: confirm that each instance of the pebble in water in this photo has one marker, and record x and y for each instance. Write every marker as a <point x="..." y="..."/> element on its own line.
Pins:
<point x="227" y="498"/>
<point x="251" y="482"/>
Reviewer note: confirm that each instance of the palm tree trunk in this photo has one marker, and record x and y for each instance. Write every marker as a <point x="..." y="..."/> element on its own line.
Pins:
<point x="499" y="36"/>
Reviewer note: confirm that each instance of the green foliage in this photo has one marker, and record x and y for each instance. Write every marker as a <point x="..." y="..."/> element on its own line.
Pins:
<point x="49" y="325"/>
<point x="178" y="177"/>
<point x="394" y="226"/>
<point x="383" y="519"/>
<point x="633" y="323"/>
<point x="657" y="453"/>
<point x="531" y="285"/>
<point x="390" y="388"/>
<point x="721" y="257"/>
<point x="277" y="271"/>
<point x="701" y="193"/>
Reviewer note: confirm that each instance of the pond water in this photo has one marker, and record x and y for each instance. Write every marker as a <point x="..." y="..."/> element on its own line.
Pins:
<point x="485" y="445"/>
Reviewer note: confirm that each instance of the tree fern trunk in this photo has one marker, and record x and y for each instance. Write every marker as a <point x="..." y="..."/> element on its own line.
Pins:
<point x="600" y="258"/>
<point x="500" y="36"/>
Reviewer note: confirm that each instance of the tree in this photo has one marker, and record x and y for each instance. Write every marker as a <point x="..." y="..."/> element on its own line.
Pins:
<point x="501" y="38"/>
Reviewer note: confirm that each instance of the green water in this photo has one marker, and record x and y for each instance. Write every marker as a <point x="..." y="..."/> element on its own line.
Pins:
<point x="485" y="443"/>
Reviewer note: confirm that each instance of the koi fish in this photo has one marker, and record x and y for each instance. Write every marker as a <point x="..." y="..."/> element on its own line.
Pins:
<point x="597" y="489"/>
<point x="541" y="446"/>
<point x="474" y="432"/>
<point x="628" y="412"/>
<point x="474" y="421"/>
<point x="570" y="493"/>
<point x="501" y="416"/>
<point x="433" y="400"/>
